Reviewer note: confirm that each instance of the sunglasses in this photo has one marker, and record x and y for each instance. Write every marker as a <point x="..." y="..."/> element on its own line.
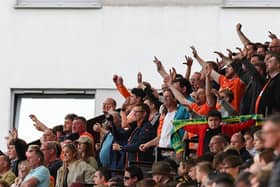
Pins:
<point x="126" y="178"/>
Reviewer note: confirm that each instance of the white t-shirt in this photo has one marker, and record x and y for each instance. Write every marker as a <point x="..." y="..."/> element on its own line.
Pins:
<point x="165" y="136"/>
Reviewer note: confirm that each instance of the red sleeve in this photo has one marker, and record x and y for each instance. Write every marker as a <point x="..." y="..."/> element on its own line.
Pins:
<point x="195" y="129"/>
<point x="123" y="91"/>
<point x="233" y="128"/>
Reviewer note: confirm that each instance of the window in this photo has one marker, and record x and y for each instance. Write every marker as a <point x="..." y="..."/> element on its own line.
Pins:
<point x="58" y="4"/>
<point x="252" y="3"/>
<point x="50" y="107"/>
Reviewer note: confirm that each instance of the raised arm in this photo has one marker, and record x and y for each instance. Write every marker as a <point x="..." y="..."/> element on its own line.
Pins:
<point x="38" y="124"/>
<point x="160" y="68"/>
<point x="197" y="57"/>
<point x="211" y="102"/>
<point x="189" y="62"/>
<point x="241" y="35"/>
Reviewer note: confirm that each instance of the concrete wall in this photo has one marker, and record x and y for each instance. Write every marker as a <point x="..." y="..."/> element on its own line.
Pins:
<point x="83" y="48"/>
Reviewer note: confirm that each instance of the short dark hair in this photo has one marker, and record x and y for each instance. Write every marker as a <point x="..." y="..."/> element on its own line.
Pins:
<point x="83" y="119"/>
<point x="183" y="83"/>
<point x="244" y="177"/>
<point x="106" y="173"/>
<point x="232" y="161"/>
<point x="138" y="92"/>
<point x="214" y="113"/>
<point x="135" y="171"/>
<point x="70" y="116"/>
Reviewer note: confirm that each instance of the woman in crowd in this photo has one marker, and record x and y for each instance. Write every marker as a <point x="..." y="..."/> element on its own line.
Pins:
<point x="73" y="170"/>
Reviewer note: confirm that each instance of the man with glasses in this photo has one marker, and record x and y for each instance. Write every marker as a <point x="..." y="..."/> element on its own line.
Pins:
<point x="271" y="136"/>
<point x="132" y="175"/>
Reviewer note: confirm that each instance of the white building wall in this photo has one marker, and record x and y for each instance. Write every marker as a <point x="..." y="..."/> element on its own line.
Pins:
<point x="83" y="48"/>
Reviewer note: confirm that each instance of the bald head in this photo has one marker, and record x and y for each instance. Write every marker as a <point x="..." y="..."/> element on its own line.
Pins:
<point x="217" y="144"/>
<point x="237" y="141"/>
<point x="109" y="105"/>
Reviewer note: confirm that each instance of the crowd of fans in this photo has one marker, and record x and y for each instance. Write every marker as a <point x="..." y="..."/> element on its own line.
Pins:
<point x="132" y="145"/>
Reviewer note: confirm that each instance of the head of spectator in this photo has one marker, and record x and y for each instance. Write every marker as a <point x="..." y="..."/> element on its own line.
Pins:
<point x="141" y="113"/>
<point x="191" y="169"/>
<point x="261" y="68"/>
<point x="137" y="96"/>
<point x="214" y="119"/>
<point x="202" y="171"/>
<point x="70" y="153"/>
<point x="182" y="84"/>
<point x="195" y="81"/>
<point x="162" y="172"/>
<point x="153" y="105"/>
<point x="249" y="140"/>
<point x="231" y="165"/>
<point x="258" y="141"/>
<point x="217" y="144"/>
<point x="257" y="58"/>
<point x="102" y="176"/>
<point x="218" y="161"/>
<point x="169" y="100"/>
<point x="237" y="141"/>
<point x="50" y="151"/>
<point x="266" y="158"/>
<point x="85" y="148"/>
<point x="200" y="96"/>
<point x="34" y="156"/>
<point x="109" y="104"/>
<point x="243" y="180"/>
<point x="274" y="45"/>
<point x="184" y="167"/>
<point x="5" y="164"/>
<point x="147" y="182"/>
<point x="271" y="132"/>
<point x="48" y="135"/>
<point x="132" y="175"/>
<point x="68" y="122"/>
<point x="79" y="125"/>
<point x="273" y="64"/>
<point x="17" y="149"/>
<point x="251" y="49"/>
<point x="58" y="131"/>
<point x="261" y="50"/>
<point x="226" y="94"/>
<point x="229" y="72"/>
<point x="23" y="169"/>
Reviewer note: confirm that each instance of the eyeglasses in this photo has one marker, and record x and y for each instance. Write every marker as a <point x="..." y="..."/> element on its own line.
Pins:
<point x="126" y="178"/>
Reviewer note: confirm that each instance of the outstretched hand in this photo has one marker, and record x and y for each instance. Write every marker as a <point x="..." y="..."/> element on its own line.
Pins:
<point x="272" y="35"/>
<point x="189" y="61"/>
<point x="139" y="78"/>
<point x="194" y="51"/>
<point x="158" y="63"/>
<point x="115" y="78"/>
<point x="238" y="27"/>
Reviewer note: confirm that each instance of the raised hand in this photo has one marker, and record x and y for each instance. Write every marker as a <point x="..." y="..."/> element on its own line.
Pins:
<point x="189" y="61"/>
<point x="272" y="35"/>
<point x="238" y="26"/>
<point x="115" y="78"/>
<point x="158" y="63"/>
<point x="139" y="78"/>
<point x="120" y="80"/>
<point x="194" y="51"/>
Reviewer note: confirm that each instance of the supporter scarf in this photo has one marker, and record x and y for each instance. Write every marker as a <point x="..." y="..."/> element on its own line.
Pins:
<point x="178" y="127"/>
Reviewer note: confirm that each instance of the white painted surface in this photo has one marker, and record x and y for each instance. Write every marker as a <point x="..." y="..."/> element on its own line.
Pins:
<point x="84" y="48"/>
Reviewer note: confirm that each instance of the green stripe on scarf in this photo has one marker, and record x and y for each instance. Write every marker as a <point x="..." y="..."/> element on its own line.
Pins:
<point x="178" y="125"/>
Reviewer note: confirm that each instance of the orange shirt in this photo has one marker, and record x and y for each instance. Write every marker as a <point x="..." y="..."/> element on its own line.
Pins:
<point x="236" y="86"/>
<point x="123" y="91"/>
<point x="160" y="124"/>
<point x="201" y="109"/>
